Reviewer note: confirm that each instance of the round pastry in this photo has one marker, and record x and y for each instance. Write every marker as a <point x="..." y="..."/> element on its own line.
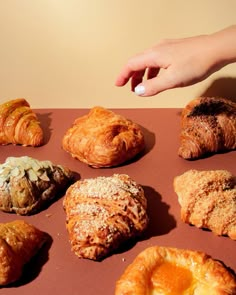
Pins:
<point x="103" y="139"/>
<point x="172" y="271"/>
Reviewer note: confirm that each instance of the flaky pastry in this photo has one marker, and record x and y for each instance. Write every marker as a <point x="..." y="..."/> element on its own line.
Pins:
<point x="103" y="139"/>
<point x="19" y="242"/>
<point x="102" y="213"/>
<point x="208" y="126"/>
<point x="172" y="271"/>
<point x="19" y="124"/>
<point x="208" y="200"/>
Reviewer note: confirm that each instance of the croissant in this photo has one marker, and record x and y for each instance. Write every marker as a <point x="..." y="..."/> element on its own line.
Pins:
<point x="208" y="126"/>
<point x="27" y="184"/>
<point x="102" y="213"/>
<point x="19" y="124"/>
<point x="19" y="242"/>
<point x="103" y="139"/>
<point x="208" y="200"/>
<point x="165" y="270"/>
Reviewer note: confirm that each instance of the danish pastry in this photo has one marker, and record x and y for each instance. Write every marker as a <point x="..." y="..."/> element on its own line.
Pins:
<point x="27" y="184"/>
<point x="208" y="126"/>
<point x="172" y="271"/>
<point x="103" y="139"/>
<point x="19" y="242"/>
<point x="208" y="200"/>
<point x="19" y="124"/>
<point x="102" y="213"/>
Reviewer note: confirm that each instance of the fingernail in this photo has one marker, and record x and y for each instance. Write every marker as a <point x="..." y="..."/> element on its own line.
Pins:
<point x="139" y="90"/>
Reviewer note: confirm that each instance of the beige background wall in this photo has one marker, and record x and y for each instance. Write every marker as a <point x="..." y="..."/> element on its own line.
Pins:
<point x="67" y="53"/>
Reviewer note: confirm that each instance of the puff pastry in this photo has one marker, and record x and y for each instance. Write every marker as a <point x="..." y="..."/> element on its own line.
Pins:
<point x="208" y="200"/>
<point x="102" y="213"/>
<point x="172" y="271"/>
<point x="19" y="124"/>
<point x="27" y="184"/>
<point x="208" y="126"/>
<point x="103" y="139"/>
<point x="19" y="242"/>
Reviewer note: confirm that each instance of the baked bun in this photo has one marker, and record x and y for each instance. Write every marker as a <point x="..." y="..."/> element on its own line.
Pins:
<point x="208" y="200"/>
<point x="103" y="139"/>
<point x="102" y="213"/>
<point x="162" y="270"/>
<point x="208" y="127"/>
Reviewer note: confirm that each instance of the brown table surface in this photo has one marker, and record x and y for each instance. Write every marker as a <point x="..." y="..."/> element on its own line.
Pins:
<point x="57" y="270"/>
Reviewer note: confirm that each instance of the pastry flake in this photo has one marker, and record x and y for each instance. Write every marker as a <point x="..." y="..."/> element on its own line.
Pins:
<point x="19" y="124"/>
<point x="27" y="184"/>
<point x="172" y="271"/>
<point x="208" y="200"/>
<point x="208" y="126"/>
<point x="103" y="139"/>
<point x="102" y="213"/>
<point x="19" y="243"/>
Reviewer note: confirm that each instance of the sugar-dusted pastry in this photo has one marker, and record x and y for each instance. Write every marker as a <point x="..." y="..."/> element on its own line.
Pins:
<point x="19" y="124"/>
<point x="208" y="200"/>
<point x="208" y="126"/>
<point x="102" y="213"/>
<point x="172" y="271"/>
<point x="27" y="184"/>
<point x="19" y="242"/>
<point x="103" y="139"/>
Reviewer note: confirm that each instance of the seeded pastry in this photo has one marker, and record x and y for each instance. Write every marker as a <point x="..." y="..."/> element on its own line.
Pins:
<point x="208" y="200"/>
<point x="27" y="184"/>
<point x="103" y="138"/>
<point x="167" y="271"/>
<point x="102" y="213"/>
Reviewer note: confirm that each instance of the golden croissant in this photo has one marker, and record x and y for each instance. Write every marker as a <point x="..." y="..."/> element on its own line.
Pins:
<point x="103" y="139"/>
<point x="27" y="184"/>
<point x="208" y="200"/>
<point x="102" y="213"/>
<point x="173" y="271"/>
<point x="19" y="124"/>
<point x="19" y="242"/>
<point x="208" y="126"/>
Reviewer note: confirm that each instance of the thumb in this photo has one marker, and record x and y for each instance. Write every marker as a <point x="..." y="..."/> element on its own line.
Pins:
<point x="154" y="86"/>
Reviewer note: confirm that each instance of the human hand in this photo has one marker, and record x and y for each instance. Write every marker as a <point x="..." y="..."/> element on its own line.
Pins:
<point x="171" y="63"/>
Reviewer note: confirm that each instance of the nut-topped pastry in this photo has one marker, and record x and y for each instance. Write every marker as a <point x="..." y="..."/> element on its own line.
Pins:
<point x="27" y="184"/>
<point x="102" y="213"/>
<point x="103" y="138"/>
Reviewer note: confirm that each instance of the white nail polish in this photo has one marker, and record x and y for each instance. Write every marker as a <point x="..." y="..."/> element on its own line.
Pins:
<point x="139" y="90"/>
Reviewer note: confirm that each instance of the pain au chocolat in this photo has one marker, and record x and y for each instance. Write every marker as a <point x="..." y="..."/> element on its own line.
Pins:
<point x="103" y="138"/>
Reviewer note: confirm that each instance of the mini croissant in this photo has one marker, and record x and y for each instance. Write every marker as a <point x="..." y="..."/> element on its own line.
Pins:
<point x="102" y="213"/>
<point x="27" y="184"/>
<point x="19" y="124"/>
<point x="103" y="139"/>
<point x="208" y="200"/>
<point x="19" y="242"/>
<point x="208" y="126"/>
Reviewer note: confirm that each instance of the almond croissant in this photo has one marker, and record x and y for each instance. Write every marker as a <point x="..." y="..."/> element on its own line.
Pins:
<point x="26" y="184"/>
<point x="208" y="200"/>
<point x="208" y="126"/>
<point x="19" y="124"/>
<point x="103" y="139"/>
<point x="19" y="242"/>
<point x="102" y="213"/>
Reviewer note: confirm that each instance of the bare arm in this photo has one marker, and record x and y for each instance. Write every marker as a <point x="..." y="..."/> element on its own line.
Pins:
<point x="179" y="62"/>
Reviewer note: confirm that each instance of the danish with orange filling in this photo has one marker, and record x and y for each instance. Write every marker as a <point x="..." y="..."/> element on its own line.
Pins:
<point x="172" y="271"/>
